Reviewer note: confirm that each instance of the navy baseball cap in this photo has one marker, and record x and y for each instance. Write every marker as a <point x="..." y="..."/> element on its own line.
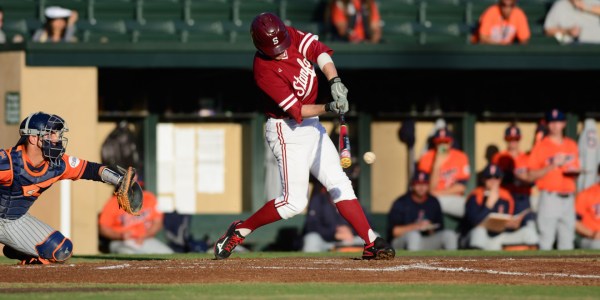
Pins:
<point x="512" y="133"/>
<point x="555" y="115"/>
<point x="420" y="177"/>
<point x="492" y="171"/>
<point x="442" y="135"/>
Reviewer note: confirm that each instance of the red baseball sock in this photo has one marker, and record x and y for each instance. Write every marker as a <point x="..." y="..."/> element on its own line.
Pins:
<point x="354" y="214"/>
<point x="265" y="215"/>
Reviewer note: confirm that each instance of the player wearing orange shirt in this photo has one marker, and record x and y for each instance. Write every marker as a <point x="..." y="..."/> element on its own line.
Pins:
<point x="356" y="20"/>
<point x="587" y="207"/>
<point x="513" y="163"/>
<point x="449" y="172"/>
<point x="503" y="24"/>
<point x="553" y="164"/>
<point x="131" y="234"/>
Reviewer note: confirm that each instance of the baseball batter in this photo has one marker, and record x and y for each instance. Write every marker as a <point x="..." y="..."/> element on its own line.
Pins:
<point x="284" y="72"/>
<point x="27" y="170"/>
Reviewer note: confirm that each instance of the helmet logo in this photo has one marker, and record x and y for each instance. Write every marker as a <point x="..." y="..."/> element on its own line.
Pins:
<point x="275" y="41"/>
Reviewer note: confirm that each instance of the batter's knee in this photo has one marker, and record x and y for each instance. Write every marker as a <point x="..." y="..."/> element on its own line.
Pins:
<point x="56" y="248"/>
<point x="292" y="207"/>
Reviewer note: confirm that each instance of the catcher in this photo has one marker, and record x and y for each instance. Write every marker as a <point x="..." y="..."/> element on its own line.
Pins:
<point x="28" y="169"/>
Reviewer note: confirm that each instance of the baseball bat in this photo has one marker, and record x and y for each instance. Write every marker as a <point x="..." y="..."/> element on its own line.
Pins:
<point x="344" y="144"/>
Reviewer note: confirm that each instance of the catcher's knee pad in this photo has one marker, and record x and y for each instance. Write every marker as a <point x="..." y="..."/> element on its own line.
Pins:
<point x="291" y="207"/>
<point x="56" y="248"/>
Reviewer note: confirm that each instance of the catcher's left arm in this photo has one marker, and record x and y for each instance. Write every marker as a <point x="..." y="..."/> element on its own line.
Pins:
<point x="128" y="191"/>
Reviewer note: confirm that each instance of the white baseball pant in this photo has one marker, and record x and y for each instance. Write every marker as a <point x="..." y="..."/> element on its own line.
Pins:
<point x="300" y="149"/>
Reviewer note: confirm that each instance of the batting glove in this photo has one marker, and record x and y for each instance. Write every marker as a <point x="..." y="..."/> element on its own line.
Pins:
<point x="338" y="107"/>
<point x="338" y="89"/>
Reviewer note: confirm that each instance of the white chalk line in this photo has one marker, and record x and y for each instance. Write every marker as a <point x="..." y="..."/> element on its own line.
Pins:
<point x="401" y="268"/>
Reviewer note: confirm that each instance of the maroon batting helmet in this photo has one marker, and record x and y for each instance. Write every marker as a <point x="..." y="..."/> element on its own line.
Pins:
<point x="269" y="34"/>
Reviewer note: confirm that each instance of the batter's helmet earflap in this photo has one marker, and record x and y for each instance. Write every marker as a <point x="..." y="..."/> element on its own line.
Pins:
<point x="44" y="125"/>
<point x="269" y="34"/>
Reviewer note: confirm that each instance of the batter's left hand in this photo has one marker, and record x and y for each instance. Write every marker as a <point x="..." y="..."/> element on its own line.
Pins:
<point x="338" y="89"/>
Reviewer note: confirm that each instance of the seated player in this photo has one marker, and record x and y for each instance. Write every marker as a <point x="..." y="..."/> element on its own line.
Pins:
<point x="488" y="199"/>
<point x="415" y="221"/>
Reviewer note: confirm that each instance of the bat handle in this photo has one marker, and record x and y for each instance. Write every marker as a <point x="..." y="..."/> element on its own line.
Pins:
<point x="342" y="119"/>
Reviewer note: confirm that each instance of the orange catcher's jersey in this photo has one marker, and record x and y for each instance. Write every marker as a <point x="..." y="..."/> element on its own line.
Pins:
<point x="454" y="170"/>
<point x="290" y="82"/>
<point x="21" y="183"/>
<point x="542" y="155"/>
<point x="587" y="206"/>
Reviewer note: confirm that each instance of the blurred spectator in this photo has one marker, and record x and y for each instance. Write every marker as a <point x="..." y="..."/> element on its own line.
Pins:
<point x="574" y="21"/>
<point x="415" y="221"/>
<point x="588" y="216"/>
<point x="129" y="234"/>
<point x="448" y="170"/>
<point x="554" y="165"/>
<point x="17" y="38"/>
<point x="491" y="198"/>
<point x="503" y="24"/>
<point x="513" y="163"/>
<point x="356" y="20"/>
<point x="589" y="154"/>
<point x="59" y="26"/>
<point x="324" y="228"/>
<point x="490" y="152"/>
<point x="2" y="35"/>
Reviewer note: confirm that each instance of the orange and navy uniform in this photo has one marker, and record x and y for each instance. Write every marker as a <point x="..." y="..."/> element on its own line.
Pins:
<point x="587" y="207"/>
<point x="542" y="155"/>
<point x="136" y="226"/>
<point x="476" y="211"/>
<point x="454" y="170"/>
<point x="512" y="166"/>
<point x="21" y="183"/>
<point x="503" y="31"/>
<point x="358" y="23"/>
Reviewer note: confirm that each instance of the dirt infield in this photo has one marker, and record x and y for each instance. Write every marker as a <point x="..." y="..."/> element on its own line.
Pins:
<point x="451" y="270"/>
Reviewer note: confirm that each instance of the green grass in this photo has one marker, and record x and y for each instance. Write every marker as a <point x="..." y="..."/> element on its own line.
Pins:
<point x="293" y="291"/>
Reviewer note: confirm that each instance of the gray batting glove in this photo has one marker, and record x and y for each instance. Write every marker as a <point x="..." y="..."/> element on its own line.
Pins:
<point x="338" y="107"/>
<point x="338" y="89"/>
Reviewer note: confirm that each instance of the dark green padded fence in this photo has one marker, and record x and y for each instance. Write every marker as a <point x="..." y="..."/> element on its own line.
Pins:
<point x="202" y="21"/>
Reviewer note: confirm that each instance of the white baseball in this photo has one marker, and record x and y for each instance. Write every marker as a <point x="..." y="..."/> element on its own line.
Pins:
<point x="369" y="157"/>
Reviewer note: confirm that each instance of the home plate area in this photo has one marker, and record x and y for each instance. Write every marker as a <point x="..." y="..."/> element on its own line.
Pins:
<point x="555" y="270"/>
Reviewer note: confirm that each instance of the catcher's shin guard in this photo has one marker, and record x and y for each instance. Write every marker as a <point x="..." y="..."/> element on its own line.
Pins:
<point x="378" y="250"/>
<point x="225" y="245"/>
<point x="56" y="248"/>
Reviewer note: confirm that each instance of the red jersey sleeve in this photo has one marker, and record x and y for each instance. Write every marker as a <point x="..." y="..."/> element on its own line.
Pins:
<point x="276" y="88"/>
<point x="462" y="164"/>
<point x="74" y="167"/>
<point x="309" y="44"/>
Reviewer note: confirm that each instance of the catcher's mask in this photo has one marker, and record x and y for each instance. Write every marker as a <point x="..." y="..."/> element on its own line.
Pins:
<point x="49" y="129"/>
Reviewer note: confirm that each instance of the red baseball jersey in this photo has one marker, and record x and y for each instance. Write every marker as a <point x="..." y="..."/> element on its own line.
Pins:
<point x="290" y="82"/>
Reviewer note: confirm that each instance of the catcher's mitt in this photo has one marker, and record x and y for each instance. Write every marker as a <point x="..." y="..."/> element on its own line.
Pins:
<point x="129" y="193"/>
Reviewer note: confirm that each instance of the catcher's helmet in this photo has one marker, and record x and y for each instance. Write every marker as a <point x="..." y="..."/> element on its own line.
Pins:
<point x="269" y="34"/>
<point x="44" y="126"/>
